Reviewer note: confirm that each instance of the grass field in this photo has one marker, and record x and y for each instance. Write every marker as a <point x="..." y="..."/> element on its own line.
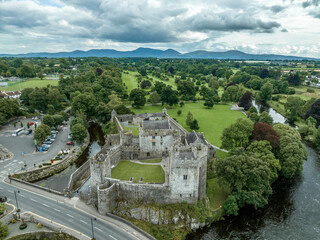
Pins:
<point x="133" y="128"/>
<point x="130" y="80"/>
<point x="215" y="193"/>
<point x="126" y="169"/>
<point x="211" y="121"/>
<point x="30" y="84"/>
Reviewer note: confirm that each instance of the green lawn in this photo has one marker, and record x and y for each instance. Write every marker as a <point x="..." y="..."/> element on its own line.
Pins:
<point x="130" y="80"/>
<point x="133" y="128"/>
<point x="126" y="169"/>
<point x="170" y="82"/>
<point x="211" y="121"/>
<point x="30" y="84"/>
<point x="215" y="193"/>
<point x="152" y="161"/>
<point x="221" y="154"/>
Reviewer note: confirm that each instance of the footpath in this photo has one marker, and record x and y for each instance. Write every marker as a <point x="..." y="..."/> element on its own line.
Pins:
<point x="118" y="222"/>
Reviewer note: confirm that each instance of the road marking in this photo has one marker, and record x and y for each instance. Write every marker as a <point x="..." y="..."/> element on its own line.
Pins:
<point x="83" y="222"/>
<point x="70" y="215"/>
<point x="45" y="205"/>
<point x="15" y="160"/>
<point x="113" y="237"/>
<point x="10" y="191"/>
<point x="22" y="195"/>
<point x="33" y="200"/>
<point x="57" y="210"/>
<point x="98" y="229"/>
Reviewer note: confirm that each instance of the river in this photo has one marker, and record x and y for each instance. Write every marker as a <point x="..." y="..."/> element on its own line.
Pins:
<point x="292" y="212"/>
<point x="60" y="181"/>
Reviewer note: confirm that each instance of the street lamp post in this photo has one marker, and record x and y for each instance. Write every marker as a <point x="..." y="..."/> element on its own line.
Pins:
<point x="15" y="195"/>
<point x="92" y="227"/>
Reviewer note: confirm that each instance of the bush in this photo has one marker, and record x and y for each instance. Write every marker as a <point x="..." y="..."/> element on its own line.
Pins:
<point x="2" y="208"/>
<point x="276" y="98"/>
<point x="40" y="166"/>
<point x="23" y="226"/>
<point x="291" y="91"/>
<point x="39" y="225"/>
<point x="179" y="112"/>
<point x="310" y="90"/>
<point x="13" y="221"/>
<point x="46" y="164"/>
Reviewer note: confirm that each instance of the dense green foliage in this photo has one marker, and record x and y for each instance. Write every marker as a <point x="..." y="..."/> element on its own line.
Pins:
<point x="41" y="133"/>
<point x="9" y="108"/>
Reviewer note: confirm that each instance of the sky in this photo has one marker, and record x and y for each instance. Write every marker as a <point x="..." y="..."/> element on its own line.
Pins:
<point x="287" y="27"/>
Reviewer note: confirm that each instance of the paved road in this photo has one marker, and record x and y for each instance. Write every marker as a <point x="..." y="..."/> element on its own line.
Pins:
<point x="62" y="213"/>
<point x="45" y="204"/>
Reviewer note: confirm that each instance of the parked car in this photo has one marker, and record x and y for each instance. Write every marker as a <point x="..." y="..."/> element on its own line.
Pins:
<point x="47" y="142"/>
<point x="45" y="147"/>
<point x="53" y="136"/>
<point x="70" y="136"/>
<point x="3" y="198"/>
<point x="54" y="132"/>
<point x="31" y="123"/>
<point x="28" y="132"/>
<point x="50" y="140"/>
<point x="70" y="143"/>
<point x="35" y="118"/>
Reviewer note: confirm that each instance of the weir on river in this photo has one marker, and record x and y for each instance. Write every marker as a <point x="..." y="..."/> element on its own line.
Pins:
<point x="292" y="212"/>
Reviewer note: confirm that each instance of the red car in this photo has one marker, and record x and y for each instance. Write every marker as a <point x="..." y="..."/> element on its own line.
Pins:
<point x="31" y="123"/>
<point x="70" y="143"/>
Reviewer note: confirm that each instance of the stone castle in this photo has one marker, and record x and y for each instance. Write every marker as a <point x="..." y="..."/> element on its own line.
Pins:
<point x="184" y="161"/>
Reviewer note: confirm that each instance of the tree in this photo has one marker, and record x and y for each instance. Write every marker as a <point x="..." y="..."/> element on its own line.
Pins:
<point x="246" y="177"/>
<point x="145" y="84"/>
<point x="26" y="70"/>
<point x="264" y="131"/>
<point x="138" y="96"/>
<point x="292" y="151"/>
<point x="266" y="92"/>
<point x="237" y="135"/>
<point x="58" y="119"/>
<point x="181" y="104"/>
<point x="75" y="121"/>
<point x="246" y="100"/>
<point x="3" y="231"/>
<point x="294" y="79"/>
<point x="41" y="133"/>
<point x="293" y="108"/>
<point x="189" y="118"/>
<point x="186" y="90"/>
<point x="48" y="120"/>
<point x="265" y="118"/>
<point x="194" y="125"/>
<point x="79" y="133"/>
<point x="103" y="112"/>
<point x="179" y="112"/>
<point x="263" y="150"/>
<point x="142" y="71"/>
<point x="173" y="99"/>
<point x="168" y="95"/>
<point x="314" y="111"/>
<point x="41" y="75"/>
<point x="85" y="102"/>
<point x="114" y="101"/>
<point x="154" y="98"/>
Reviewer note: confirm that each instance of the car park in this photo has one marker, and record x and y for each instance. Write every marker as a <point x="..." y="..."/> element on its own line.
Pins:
<point x="28" y="132"/>
<point x="3" y="198"/>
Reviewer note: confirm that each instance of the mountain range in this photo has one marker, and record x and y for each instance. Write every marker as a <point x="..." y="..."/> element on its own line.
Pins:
<point x="156" y="53"/>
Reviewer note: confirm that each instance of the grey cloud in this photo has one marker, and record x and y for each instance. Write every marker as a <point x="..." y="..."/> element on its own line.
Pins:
<point x="315" y="13"/>
<point x="208" y="21"/>
<point x="311" y="3"/>
<point x="284" y="30"/>
<point x="277" y="8"/>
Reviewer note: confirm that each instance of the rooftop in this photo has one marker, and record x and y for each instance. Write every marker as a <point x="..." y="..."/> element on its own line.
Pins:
<point x="156" y="124"/>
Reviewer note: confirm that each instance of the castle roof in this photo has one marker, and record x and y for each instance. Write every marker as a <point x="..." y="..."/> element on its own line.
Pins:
<point x="193" y="137"/>
<point x="186" y="155"/>
<point x="155" y="124"/>
<point x="146" y="115"/>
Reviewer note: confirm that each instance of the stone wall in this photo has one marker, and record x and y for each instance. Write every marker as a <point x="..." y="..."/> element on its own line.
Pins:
<point x="118" y="124"/>
<point x="126" y="191"/>
<point x="112" y="139"/>
<point x="106" y="197"/>
<point x="175" y="125"/>
<point x="77" y="175"/>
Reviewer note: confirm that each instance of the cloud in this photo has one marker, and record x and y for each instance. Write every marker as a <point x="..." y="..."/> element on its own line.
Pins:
<point x="277" y="8"/>
<point x="311" y="3"/>
<point x="208" y="21"/>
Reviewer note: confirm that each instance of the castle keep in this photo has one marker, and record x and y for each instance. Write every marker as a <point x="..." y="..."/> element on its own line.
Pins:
<point x="184" y="161"/>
